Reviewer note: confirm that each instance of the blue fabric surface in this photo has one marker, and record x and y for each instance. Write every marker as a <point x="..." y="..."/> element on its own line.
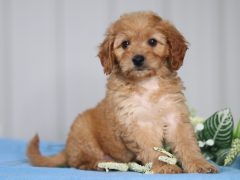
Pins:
<point x="14" y="165"/>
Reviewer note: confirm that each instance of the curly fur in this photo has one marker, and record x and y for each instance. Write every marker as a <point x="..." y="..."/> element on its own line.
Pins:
<point x="143" y="107"/>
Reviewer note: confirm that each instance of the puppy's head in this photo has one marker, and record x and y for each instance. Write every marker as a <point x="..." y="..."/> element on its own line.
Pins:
<point x="139" y="44"/>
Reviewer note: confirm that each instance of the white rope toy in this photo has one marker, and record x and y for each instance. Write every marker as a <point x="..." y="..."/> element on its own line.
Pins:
<point x="133" y="166"/>
<point x="169" y="158"/>
<point x="126" y="166"/>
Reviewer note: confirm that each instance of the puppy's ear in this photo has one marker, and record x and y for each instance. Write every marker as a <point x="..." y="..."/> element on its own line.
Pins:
<point x="106" y="54"/>
<point x="177" y="45"/>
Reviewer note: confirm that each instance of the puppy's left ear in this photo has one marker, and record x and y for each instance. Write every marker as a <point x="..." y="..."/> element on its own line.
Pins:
<point x="106" y="54"/>
<point x="177" y="45"/>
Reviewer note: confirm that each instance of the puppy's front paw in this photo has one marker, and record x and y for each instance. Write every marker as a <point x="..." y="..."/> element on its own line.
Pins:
<point x="200" y="166"/>
<point x="167" y="169"/>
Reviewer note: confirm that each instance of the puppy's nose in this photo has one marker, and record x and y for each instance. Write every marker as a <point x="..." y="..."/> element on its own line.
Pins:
<point x="138" y="60"/>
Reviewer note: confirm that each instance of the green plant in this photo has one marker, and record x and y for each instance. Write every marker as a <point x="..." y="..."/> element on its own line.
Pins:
<point x="236" y="132"/>
<point x="233" y="152"/>
<point x="219" y="128"/>
<point x="216" y="136"/>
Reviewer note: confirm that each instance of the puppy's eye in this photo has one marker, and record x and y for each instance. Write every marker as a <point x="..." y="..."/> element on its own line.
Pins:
<point x="125" y="44"/>
<point x="152" y="42"/>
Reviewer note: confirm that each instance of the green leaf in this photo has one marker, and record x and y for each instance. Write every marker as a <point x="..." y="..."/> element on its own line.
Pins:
<point x="218" y="127"/>
<point x="233" y="152"/>
<point x="221" y="155"/>
<point x="236" y="133"/>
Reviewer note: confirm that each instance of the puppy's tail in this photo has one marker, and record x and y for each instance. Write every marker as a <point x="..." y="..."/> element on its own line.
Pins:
<point x="36" y="159"/>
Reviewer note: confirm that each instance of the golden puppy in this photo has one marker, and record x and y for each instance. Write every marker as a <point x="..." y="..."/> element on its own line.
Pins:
<point x="144" y="105"/>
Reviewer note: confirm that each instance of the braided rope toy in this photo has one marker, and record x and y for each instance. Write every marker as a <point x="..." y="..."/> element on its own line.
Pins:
<point x="133" y="166"/>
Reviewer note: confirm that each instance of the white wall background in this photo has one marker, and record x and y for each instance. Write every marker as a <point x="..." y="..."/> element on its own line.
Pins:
<point x="49" y="71"/>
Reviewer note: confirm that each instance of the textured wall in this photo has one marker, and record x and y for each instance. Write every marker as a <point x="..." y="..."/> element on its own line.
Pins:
<point x="49" y="71"/>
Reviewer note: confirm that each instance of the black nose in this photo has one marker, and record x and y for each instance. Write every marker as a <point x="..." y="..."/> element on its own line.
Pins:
<point x="138" y="60"/>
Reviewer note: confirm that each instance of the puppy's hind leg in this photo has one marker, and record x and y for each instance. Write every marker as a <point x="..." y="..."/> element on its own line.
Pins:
<point x="86" y="156"/>
<point x="82" y="149"/>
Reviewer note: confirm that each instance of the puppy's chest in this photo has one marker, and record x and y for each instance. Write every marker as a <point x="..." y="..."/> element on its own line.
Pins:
<point x="146" y="97"/>
<point x="142" y="105"/>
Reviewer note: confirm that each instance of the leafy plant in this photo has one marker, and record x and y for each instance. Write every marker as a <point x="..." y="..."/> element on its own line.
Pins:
<point x="216" y="137"/>
<point x="235" y="148"/>
<point x="221" y="156"/>
<point x="219" y="128"/>
<point x="233" y="153"/>
<point x="236" y="132"/>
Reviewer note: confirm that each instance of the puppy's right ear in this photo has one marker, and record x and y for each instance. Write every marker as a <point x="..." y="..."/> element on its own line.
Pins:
<point x="177" y="45"/>
<point x="106" y="54"/>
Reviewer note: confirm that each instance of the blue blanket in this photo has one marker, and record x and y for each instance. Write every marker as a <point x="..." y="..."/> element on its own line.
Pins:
<point x="14" y="165"/>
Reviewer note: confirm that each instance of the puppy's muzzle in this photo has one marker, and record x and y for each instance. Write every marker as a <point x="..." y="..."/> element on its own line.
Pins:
<point x="138" y="60"/>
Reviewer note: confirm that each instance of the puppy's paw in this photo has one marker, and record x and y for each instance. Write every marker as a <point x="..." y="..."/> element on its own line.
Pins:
<point x="167" y="169"/>
<point x="201" y="166"/>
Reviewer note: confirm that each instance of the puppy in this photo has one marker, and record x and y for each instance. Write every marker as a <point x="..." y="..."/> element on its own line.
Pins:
<point x="144" y="105"/>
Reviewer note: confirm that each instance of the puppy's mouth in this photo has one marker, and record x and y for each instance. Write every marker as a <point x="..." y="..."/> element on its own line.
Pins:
<point x="140" y="72"/>
<point x="140" y="69"/>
